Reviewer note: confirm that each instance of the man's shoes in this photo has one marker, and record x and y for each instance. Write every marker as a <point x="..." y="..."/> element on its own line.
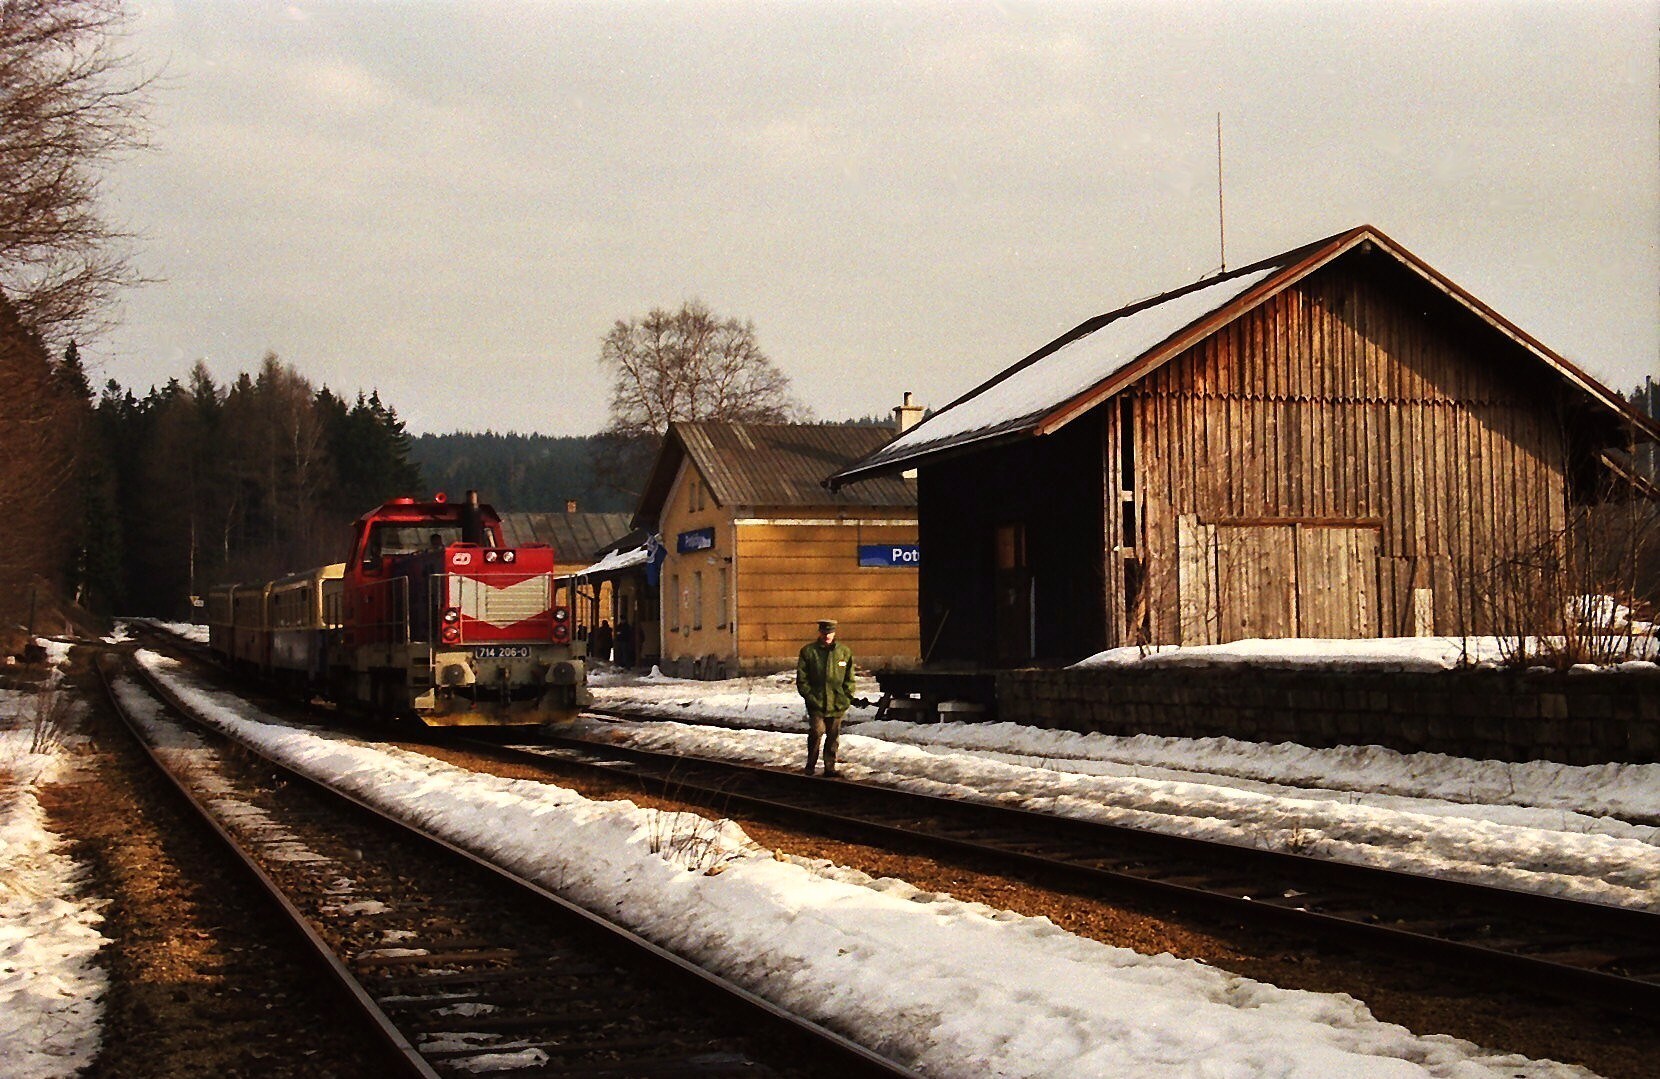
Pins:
<point x="829" y="773"/>
<point x="809" y="770"/>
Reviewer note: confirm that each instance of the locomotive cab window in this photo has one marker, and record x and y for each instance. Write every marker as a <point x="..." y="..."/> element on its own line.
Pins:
<point x="389" y="540"/>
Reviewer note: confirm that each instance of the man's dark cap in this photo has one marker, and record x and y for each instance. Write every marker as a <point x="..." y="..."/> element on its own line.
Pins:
<point x="826" y="625"/>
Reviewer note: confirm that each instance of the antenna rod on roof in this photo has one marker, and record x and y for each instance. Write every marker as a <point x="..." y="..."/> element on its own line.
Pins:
<point x="1221" y="214"/>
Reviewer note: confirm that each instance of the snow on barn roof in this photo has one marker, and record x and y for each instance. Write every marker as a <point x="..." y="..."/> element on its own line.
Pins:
<point x="1029" y="390"/>
<point x="1107" y="353"/>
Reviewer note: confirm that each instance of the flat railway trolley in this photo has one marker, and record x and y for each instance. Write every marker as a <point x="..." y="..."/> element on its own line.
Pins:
<point x="432" y="619"/>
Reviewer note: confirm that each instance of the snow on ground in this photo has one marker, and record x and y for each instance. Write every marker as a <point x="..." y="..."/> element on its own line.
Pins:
<point x="50" y="987"/>
<point x="1378" y="654"/>
<point x="954" y="988"/>
<point x="1590" y="832"/>
<point x="188" y="630"/>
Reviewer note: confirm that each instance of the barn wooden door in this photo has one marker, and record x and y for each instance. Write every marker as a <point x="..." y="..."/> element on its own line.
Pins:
<point x="1014" y="595"/>
<point x="1337" y="578"/>
<point x="1274" y="579"/>
<point x="1256" y="581"/>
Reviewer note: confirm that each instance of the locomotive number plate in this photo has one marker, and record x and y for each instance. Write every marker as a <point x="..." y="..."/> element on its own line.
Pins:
<point x="501" y="651"/>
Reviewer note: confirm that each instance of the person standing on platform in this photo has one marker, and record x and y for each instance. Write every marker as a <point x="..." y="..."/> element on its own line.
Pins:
<point x="824" y="678"/>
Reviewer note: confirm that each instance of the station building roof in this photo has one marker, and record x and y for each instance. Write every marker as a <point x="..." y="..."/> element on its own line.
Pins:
<point x="773" y="465"/>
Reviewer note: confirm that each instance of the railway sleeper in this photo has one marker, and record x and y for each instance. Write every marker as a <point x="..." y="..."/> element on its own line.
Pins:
<point x="481" y="955"/>
<point x="700" y="1066"/>
<point x="526" y="998"/>
<point x="553" y="1049"/>
<point x="494" y="1024"/>
<point x="397" y="983"/>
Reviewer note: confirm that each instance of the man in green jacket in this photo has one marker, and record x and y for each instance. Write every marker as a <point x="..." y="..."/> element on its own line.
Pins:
<point x="824" y="678"/>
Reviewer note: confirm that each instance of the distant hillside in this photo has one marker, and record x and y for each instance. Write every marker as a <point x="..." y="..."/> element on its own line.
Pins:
<point x="516" y="473"/>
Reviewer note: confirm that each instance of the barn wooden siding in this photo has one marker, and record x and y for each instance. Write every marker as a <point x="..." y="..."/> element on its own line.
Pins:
<point x="791" y="575"/>
<point x="1348" y="459"/>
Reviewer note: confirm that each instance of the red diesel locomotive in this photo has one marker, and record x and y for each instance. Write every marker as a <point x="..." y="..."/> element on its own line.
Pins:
<point x="433" y="618"/>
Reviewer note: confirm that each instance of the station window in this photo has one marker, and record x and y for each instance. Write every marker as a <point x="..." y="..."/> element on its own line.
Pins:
<point x="674" y="602"/>
<point x="697" y="599"/>
<point x="721" y="615"/>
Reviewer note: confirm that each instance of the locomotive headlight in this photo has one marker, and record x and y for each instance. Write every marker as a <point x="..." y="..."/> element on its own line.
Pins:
<point x="508" y="556"/>
<point x="452" y="614"/>
<point x="560" y="614"/>
<point x="490" y="556"/>
<point x="451" y="634"/>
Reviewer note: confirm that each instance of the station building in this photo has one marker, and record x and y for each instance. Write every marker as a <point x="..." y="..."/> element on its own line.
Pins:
<point x="753" y="549"/>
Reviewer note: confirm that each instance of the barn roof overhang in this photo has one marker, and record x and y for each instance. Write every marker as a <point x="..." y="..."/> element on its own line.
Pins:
<point x="993" y="412"/>
<point x="1623" y="472"/>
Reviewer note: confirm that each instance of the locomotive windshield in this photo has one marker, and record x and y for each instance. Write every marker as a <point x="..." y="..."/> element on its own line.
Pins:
<point x="386" y="540"/>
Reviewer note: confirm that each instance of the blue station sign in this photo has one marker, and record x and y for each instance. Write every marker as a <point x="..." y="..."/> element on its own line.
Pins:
<point x="699" y="539"/>
<point x="890" y="555"/>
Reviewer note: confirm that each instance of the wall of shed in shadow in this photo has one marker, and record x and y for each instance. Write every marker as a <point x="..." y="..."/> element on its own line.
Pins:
<point x="1052" y="487"/>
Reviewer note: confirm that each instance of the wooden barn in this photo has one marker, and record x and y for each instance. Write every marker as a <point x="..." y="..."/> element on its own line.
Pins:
<point x="756" y="549"/>
<point x="1335" y="442"/>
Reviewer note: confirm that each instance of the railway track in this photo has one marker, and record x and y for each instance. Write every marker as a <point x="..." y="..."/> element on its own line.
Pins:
<point x="1606" y="955"/>
<point x="1573" y="950"/>
<point x="456" y="965"/>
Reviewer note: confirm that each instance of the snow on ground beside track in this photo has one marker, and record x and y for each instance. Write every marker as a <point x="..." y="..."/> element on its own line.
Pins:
<point x="50" y="985"/>
<point x="188" y="630"/>
<point x="1538" y="826"/>
<point x="955" y="988"/>
<point x="1370" y="654"/>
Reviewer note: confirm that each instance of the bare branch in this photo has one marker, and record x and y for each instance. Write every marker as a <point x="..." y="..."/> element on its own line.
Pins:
<point x="66" y="109"/>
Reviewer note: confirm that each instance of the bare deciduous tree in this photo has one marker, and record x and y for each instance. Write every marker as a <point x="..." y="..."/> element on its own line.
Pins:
<point x="65" y="108"/>
<point x="681" y="365"/>
<point x="690" y="365"/>
<point x="39" y="421"/>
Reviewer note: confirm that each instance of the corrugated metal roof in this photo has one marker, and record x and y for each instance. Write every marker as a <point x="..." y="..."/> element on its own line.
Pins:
<point x="773" y="465"/>
<point x="574" y="537"/>
<point x="1106" y="354"/>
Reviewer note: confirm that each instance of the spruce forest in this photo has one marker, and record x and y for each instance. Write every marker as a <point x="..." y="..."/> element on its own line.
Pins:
<point x="196" y="482"/>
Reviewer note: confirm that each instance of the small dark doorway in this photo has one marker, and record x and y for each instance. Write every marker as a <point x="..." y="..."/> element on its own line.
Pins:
<point x="1015" y="613"/>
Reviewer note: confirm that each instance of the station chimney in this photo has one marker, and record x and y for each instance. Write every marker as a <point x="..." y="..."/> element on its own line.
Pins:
<point x="906" y="415"/>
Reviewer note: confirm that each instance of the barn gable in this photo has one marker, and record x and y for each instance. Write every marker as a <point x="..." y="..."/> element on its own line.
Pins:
<point x="1106" y="354"/>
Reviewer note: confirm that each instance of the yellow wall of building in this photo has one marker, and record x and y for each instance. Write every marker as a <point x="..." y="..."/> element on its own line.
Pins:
<point x="783" y="571"/>
<point x="791" y="575"/>
<point x="695" y="626"/>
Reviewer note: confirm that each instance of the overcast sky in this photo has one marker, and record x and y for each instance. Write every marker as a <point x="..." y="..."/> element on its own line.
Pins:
<point x="453" y="202"/>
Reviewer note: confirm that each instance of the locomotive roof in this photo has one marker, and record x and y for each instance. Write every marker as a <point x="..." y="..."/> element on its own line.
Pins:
<point x="414" y="509"/>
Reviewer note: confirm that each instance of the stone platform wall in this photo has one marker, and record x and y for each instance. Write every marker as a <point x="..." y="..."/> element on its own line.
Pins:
<point x="1575" y="717"/>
